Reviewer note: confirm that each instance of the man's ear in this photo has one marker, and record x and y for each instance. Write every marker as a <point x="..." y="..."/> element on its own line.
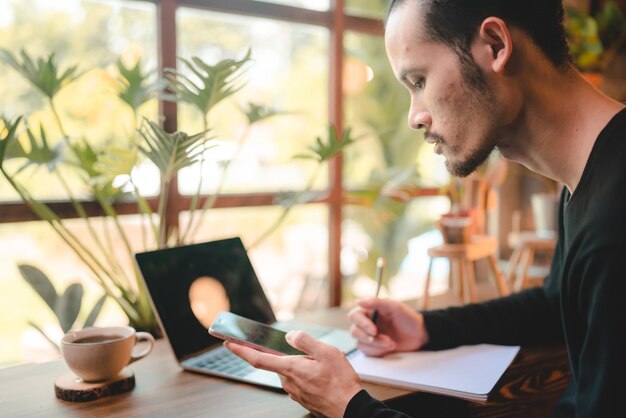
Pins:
<point x="496" y="43"/>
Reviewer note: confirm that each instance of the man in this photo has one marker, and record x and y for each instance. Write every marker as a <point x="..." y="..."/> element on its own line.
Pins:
<point x="486" y="74"/>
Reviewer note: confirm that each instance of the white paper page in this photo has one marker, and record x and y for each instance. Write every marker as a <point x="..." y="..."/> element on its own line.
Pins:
<point x="472" y="369"/>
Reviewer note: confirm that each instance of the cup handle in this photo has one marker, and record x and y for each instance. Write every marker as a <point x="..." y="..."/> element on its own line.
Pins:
<point x="142" y="336"/>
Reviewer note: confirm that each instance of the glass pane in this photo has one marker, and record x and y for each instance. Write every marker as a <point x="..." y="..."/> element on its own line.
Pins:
<point x="376" y="109"/>
<point x="291" y="262"/>
<point x="306" y="4"/>
<point x="400" y="232"/>
<point x="36" y="244"/>
<point x="389" y="158"/>
<point x="367" y="8"/>
<point x="288" y="72"/>
<point x="92" y="35"/>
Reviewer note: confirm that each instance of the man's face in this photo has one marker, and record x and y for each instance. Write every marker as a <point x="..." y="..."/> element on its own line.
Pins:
<point x="450" y="99"/>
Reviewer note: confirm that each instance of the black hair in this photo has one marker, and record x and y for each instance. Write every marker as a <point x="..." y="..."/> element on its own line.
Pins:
<point x="456" y="23"/>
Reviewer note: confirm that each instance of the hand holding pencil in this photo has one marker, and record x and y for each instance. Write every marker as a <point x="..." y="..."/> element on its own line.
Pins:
<point x="382" y="326"/>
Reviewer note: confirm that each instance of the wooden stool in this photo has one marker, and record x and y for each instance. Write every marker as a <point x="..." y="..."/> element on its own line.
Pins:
<point x="525" y="246"/>
<point x="463" y="256"/>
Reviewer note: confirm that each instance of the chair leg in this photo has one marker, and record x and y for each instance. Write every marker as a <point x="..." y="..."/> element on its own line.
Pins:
<point x="454" y="278"/>
<point x="513" y="266"/>
<point x="528" y="261"/>
<point x="471" y="280"/>
<point x="461" y="279"/>
<point x="427" y="285"/>
<point x="503" y="289"/>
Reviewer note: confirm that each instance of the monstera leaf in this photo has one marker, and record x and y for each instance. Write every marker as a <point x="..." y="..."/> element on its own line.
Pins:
<point x="135" y="86"/>
<point x="116" y="161"/>
<point x="170" y="152"/>
<point x="9" y="147"/>
<point x="256" y="113"/>
<point x="209" y="84"/>
<point x="39" y="152"/>
<point x="44" y="74"/>
<point x="323" y="151"/>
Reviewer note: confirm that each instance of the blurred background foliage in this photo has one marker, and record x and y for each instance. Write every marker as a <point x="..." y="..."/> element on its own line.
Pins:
<point x="289" y="72"/>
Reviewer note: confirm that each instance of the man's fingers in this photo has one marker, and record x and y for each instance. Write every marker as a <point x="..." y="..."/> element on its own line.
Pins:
<point x="382" y="305"/>
<point x="372" y="351"/>
<point x="258" y="359"/>
<point x="305" y="342"/>
<point x="359" y="334"/>
<point x="382" y="342"/>
<point x="361" y="318"/>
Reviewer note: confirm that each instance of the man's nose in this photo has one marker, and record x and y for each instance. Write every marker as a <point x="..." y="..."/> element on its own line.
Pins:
<point x="419" y="117"/>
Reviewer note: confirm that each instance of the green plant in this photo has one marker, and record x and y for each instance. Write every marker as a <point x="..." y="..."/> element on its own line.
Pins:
<point x="320" y="152"/>
<point x="594" y="40"/>
<point x="107" y="170"/>
<point x="65" y="305"/>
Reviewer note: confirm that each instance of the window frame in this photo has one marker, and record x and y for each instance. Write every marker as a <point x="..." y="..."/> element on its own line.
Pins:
<point x="337" y="22"/>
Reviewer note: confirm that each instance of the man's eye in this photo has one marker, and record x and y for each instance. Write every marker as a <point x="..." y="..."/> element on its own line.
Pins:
<point x="419" y="83"/>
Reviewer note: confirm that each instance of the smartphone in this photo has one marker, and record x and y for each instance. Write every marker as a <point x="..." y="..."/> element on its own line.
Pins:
<point x="257" y="335"/>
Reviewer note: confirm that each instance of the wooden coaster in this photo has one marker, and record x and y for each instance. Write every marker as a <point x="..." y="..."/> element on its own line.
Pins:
<point x="71" y="388"/>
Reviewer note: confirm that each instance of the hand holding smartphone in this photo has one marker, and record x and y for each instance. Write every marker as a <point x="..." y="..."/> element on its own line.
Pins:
<point x="257" y="335"/>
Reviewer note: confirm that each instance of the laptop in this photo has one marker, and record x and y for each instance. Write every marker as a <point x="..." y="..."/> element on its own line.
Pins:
<point x="188" y="287"/>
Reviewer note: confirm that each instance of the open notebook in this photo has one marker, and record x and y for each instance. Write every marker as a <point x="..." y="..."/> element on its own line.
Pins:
<point x="469" y="372"/>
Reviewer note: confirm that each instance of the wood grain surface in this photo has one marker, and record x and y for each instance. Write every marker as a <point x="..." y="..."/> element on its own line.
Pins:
<point x="529" y="388"/>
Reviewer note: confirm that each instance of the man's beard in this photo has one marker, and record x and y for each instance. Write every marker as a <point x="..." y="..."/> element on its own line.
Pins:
<point x="482" y="97"/>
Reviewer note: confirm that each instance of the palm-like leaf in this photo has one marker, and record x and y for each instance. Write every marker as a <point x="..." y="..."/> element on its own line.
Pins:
<point x="95" y="311"/>
<point x="134" y="86"/>
<point x="384" y="190"/>
<point x="170" y="152"/>
<point x="86" y="159"/>
<point x="321" y="151"/>
<point x="210" y="84"/>
<point x="115" y="161"/>
<point x="68" y="306"/>
<point x="40" y="152"/>
<point x="9" y="147"/>
<point x="40" y="283"/>
<point x="44" y="74"/>
<point x="256" y="113"/>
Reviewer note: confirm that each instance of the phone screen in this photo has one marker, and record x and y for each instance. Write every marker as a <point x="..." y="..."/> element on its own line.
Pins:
<point x="230" y="326"/>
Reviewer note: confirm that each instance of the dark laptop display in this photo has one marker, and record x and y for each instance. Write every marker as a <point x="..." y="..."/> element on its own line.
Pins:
<point x="170" y="274"/>
<point x="190" y="285"/>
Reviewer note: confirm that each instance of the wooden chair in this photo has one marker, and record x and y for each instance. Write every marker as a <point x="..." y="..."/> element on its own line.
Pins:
<point x="462" y="265"/>
<point x="478" y="195"/>
<point x="526" y="245"/>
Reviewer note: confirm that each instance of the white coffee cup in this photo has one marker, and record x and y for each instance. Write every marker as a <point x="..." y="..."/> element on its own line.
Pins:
<point x="98" y="354"/>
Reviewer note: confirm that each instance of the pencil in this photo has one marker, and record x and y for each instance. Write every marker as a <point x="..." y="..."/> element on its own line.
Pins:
<point x="380" y="264"/>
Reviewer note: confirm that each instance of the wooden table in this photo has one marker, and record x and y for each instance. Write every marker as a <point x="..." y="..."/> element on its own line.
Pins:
<point x="530" y="387"/>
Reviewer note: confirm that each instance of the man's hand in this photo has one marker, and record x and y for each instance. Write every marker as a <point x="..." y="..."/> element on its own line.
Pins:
<point x="398" y="328"/>
<point x="323" y="382"/>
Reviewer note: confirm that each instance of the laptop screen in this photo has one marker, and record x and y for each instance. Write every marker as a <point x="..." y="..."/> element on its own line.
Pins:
<point x="190" y="285"/>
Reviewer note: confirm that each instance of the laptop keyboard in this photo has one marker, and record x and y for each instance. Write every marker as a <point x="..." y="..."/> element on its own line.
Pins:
<point x="221" y="360"/>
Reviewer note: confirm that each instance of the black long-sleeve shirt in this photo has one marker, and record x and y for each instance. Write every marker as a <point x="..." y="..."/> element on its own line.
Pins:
<point x="583" y="299"/>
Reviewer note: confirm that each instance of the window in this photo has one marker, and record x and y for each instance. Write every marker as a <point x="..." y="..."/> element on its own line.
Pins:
<point x="92" y="35"/>
<point x="294" y="69"/>
<point x="288" y="72"/>
<point x="367" y="8"/>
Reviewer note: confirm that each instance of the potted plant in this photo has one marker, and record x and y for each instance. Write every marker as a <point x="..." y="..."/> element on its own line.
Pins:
<point x="458" y="225"/>
<point x="470" y="199"/>
<point x="108" y="171"/>
<point x="65" y="305"/>
<point x="594" y="40"/>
